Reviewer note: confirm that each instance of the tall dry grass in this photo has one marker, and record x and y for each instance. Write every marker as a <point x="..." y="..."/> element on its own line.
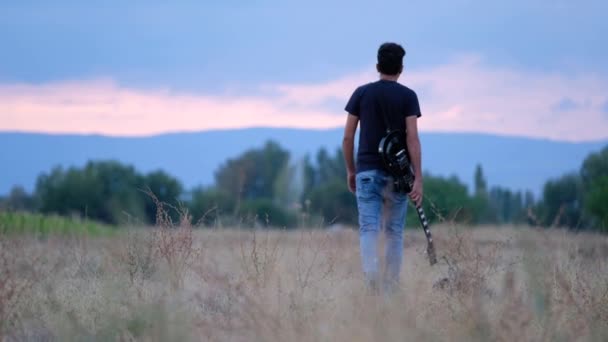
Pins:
<point x="174" y="283"/>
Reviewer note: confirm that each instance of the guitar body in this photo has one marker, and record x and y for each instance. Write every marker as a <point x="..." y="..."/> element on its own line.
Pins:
<point x="395" y="157"/>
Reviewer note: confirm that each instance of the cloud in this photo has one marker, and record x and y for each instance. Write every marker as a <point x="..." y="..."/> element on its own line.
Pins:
<point x="463" y="95"/>
<point x="565" y="105"/>
<point x="507" y="101"/>
<point x="104" y="107"/>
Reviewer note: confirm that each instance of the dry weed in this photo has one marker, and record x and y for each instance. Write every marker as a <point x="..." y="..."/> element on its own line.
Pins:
<point x="508" y="284"/>
<point x="174" y="242"/>
<point x="22" y="267"/>
<point x="259" y="257"/>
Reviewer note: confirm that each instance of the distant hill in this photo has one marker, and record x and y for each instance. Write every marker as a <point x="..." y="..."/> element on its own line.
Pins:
<point x="513" y="162"/>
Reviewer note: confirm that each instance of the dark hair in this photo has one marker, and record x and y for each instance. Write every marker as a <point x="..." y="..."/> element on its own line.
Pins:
<point x="390" y="58"/>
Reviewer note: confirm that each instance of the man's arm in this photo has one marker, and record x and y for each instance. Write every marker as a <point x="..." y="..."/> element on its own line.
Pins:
<point x="413" y="147"/>
<point x="348" y="147"/>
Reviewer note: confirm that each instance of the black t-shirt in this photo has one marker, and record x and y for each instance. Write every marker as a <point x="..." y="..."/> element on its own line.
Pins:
<point x="397" y="100"/>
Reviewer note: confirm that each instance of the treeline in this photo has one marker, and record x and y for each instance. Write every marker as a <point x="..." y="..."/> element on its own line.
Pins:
<point x="578" y="200"/>
<point x="105" y="191"/>
<point x="265" y="187"/>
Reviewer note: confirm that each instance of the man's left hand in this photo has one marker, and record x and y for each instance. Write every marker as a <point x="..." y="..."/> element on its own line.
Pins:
<point x="352" y="183"/>
<point x="416" y="193"/>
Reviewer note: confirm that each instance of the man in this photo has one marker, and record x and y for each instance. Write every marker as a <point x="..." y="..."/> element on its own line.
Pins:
<point x="370" y="180"/>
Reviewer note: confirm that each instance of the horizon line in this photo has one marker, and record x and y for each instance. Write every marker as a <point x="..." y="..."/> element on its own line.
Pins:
<point x="286" y="128"/>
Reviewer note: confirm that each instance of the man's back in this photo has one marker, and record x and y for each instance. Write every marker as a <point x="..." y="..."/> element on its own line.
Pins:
<point x="367" y="102"/>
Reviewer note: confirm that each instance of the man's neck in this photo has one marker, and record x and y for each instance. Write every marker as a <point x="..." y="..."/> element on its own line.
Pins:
<point x="393" y="78"/>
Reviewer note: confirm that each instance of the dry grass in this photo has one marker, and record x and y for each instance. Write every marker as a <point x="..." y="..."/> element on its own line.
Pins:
<point x="174" y="283"/>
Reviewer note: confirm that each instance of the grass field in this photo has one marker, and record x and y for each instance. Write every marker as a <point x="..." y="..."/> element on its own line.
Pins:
<point x="42" y="225"/>
<point x="176" y="284"/>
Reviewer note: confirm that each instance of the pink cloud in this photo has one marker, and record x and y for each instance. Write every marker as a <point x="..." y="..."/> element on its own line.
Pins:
<point x="464" y="95"/>
<point x="467" y="95"/>
<point x="106" y="108"/>
<point x="514" y="102"/>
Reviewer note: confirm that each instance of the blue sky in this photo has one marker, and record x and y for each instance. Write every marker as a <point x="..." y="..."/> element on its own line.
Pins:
<point x="241" y="48"/>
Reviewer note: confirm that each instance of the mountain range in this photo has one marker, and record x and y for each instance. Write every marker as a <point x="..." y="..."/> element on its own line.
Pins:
<point x="517" y="163"/>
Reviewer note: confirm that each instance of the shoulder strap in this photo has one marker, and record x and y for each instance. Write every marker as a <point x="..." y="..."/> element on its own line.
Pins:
<point x="381" y="108"/>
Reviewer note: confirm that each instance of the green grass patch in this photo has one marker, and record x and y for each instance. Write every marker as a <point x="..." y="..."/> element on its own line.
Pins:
<point x="30" y="223"/>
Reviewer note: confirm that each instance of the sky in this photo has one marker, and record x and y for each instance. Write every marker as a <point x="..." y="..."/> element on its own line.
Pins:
<point x="534" y="68"/>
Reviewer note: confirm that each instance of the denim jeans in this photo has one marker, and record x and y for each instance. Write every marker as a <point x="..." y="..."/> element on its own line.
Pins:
<point x="379" y="205"/>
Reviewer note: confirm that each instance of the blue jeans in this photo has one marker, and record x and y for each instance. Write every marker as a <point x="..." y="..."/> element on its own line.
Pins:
<point x="377" y="203"/>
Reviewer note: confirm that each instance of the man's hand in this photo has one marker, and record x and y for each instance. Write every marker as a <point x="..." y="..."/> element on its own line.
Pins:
<point x="413" y="147"/>
<point x="416" y="193"/>
<point x="351" y="181"/>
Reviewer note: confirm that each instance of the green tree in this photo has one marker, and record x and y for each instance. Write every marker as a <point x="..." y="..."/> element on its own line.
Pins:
<point x="18" y="199"/>
<point x="330" y="168"/>
<point x="166" y="188"/>
<point x="326" y="169"/>
<point x="445" y="199"/>
<point x="563" y="202"/>
<point x="252" y="175"/>
<point x="594" y="167"/>
<point x="528" y="199"/>
<point x="325" y="193"/>
<point x="107" y="191"/>
<point x="596" y="202"/>
<point x="594" y="175"/>
<point x="481" y="186"/>
<point x="309" y="176"/>
<point x="480" y="203"/>
<point x="210" y="207"/>
<point x="506" y="205"/>
<point x="334" y="202"/>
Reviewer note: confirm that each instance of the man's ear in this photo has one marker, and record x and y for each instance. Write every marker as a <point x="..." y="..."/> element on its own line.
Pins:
<point x="401" y="69"/>
<point x="378" y="68"/>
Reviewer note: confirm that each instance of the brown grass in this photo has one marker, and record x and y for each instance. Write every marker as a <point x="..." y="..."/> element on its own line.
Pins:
<point x="175" y="283"/>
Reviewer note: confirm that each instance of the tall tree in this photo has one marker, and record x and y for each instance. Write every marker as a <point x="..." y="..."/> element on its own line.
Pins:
<point x="482" y="212"/>
<point x="325" y="192"/>
<point x="481" y="186"/>
<point x="594" y="167"/>
<point x="596" y="202"/>
<point x="528" y="199"/>
<point x="252" y="174"/>
<point x="594" y="175"/>
<point x="563" y="202"/>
